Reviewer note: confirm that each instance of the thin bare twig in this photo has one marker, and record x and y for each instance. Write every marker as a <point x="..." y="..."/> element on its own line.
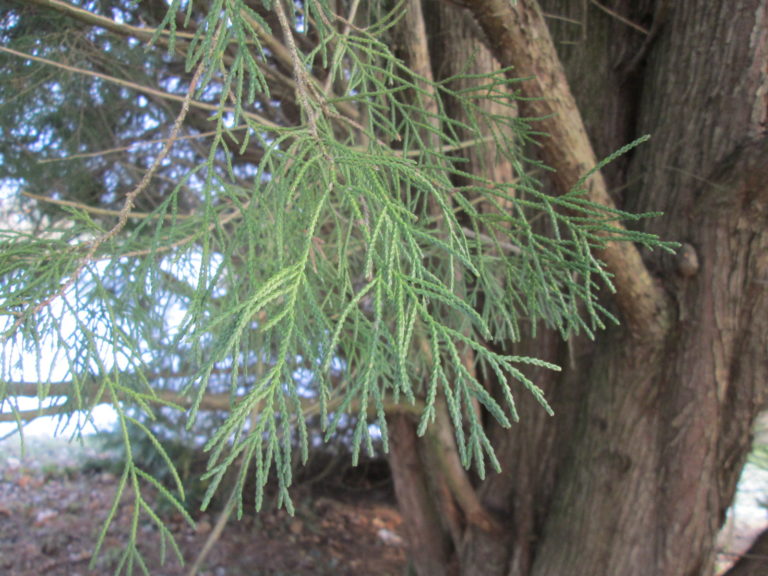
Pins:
<point x="561" y="18"/>
<point x="215" y="534"/>
<point x="140" y="87"/>
<point x="504" y="245"/>
<point x="138" y="144"/>
<point x="299" y="72"/>
<point x="107" y="23"/>
<point x="621" y="18"/>
<point x="186" y="240"/>
<point x="345" y="32"/>
<point x="103" y="211"/>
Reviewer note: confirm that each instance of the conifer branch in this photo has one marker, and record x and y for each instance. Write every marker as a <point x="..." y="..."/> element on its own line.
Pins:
<point x="300" y="74"/>
<point x="344" y="260"/>
<point x="125" y="211"/>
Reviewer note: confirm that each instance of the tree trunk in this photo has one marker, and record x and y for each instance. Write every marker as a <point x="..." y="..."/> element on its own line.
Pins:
<point x="429" y="547"/>
<point x="652" y="426"/>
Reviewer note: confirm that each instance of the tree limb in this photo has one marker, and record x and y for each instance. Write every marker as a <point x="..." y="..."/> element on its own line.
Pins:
<point x="92" y="19"/>
<point x="520" y="39"/>
<point x="223" y="402"/>
<point x="456" y="476"/>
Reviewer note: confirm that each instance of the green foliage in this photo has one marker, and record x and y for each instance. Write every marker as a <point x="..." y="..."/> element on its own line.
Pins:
<point x="343" y="273"/>
<point x="759" y="457"/>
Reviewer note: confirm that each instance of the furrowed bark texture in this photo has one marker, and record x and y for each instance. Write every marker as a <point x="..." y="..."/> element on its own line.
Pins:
<point x="705" y="99"/>
<point x="428" y="546"/>
<point x="653" y="420"/>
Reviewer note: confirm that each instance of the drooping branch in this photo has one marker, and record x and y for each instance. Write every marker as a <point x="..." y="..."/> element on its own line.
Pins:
<point x="520" y="39"/>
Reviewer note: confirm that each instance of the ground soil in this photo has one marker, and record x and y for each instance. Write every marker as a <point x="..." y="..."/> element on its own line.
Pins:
<point x="51" y="512"/>
<point x="54" y="502"/>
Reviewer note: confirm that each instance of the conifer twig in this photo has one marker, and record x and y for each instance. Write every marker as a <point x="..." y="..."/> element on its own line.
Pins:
<point x="300" y="74"/>
<point x="621" y="18"/>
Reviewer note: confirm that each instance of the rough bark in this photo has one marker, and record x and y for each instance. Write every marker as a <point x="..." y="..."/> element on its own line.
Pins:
<point x="707" y="173"/>
<point x="429" y="549"/>
<point x="635" y="472"/>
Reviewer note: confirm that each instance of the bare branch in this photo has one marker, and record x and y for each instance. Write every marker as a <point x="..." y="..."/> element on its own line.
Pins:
<point x="107" y="23"/>
<point x="140" y="87"/>
<point x="137" y="144"/>
<point x="299" y="72"/>
<point x="103" y="211"/>
<point x="621" y="18"/>
<point x="221" y="402"/>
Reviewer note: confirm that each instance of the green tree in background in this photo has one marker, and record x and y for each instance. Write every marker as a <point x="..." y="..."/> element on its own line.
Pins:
<point x="283" y="211"/>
